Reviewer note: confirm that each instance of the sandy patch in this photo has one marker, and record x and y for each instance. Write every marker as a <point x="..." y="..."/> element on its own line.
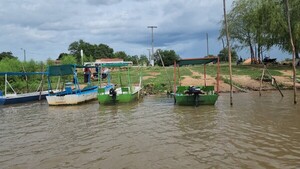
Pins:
<point x="286" y="81"/>
<point x="248" y="83"/>
<point x="148" y="77"/>
<point x="287" y="73"/>
<point x="210" y="81"/>
<point x="154" y="73"/>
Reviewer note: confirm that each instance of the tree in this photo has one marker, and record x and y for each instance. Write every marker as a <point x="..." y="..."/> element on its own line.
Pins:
<point x="240" y="25"/>
<point x="282" y="29"/>
<point x="68" y="59"/>
<point x="90" y="50"/>
<point x="61" y="56"/>
<point x="50" y="62"/>
<point x="135" y="59"/>
<point x="120" y="55"/>
<point x="168" y="57"/>
<point x="8" y="55"/>
<point x="10" y="65"/>
<point x="143" y="60"/>
<point x="261" y="24"/>
<point x="223" y="55"/>
<point x="104" y="51"/>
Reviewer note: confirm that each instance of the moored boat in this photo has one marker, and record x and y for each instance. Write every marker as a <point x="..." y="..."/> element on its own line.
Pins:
<point x="14" y="98"/>
<point x="72" y="92"/>
<point x="125" y="93"/>
<point x="198" y="94"/>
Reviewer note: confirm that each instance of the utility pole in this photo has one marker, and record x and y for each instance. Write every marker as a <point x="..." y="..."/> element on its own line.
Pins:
<point x="152" y="57"/>
<point x="149" y="54"/>
<point x="24" y="54"/>
<point x="207" y="44"/>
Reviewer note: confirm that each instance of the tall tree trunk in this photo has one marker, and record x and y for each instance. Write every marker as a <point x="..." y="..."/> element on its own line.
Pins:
<point x="261" y="54"/>
<point x="293" y="48"/>
<point x="252" y="53"/>
<point x="251" y="48"/>
<point x="229" y="50"/>
<point x="297" y="52"/>
<point x="258" y="53"/>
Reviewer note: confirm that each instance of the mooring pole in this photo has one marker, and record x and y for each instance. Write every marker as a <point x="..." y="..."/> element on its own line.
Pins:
<point x="293" y="48"/>
<point x="218" y="76"/>
<point x="261" y="80"/>
<point x="229" y="51"/>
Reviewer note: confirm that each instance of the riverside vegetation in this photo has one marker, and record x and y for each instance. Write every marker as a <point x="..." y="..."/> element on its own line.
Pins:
<point x="157" y="80"/>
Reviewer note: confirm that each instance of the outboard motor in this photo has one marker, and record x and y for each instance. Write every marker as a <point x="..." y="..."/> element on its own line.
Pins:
<point x="113" y="94"/>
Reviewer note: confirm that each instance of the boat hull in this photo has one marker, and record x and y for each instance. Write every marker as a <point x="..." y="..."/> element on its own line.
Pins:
<point x="107" y="98"/>
<point x="74" y="98"/>
<point x="190" y="100"/>
<point x="22" y="98"/>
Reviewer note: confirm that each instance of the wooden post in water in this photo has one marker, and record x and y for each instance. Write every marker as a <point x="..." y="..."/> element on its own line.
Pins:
<point x="42" y="88"/>
<point x="274" y="81"/>
<point x="293" y="48"/>
<point x="218" y="76"/>
<point x="261" y="80"/>
<point x="229" y="50"/>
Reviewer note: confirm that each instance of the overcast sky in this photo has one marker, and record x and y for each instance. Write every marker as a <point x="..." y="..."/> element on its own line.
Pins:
<point x="45" y="28"/>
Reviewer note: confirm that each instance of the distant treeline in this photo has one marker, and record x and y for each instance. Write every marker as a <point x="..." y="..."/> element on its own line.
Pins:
<point x="91" y="52"/>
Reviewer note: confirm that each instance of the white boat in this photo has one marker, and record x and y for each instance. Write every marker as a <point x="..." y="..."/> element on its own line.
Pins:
<point x="72" y="93"/>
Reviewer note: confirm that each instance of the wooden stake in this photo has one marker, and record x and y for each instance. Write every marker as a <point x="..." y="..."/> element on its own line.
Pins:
<point x="218" y="76"/>
<point x="179" y="78"/>
<point x="229" y="51"/>
<point x="293" y="48"/>
<point x="274" y="81"/>
<point x="261" y="80"/>
<point x="42" y="88"/>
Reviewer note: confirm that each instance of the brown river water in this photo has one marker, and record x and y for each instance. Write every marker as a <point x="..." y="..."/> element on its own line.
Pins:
<point x="256" y="132"/>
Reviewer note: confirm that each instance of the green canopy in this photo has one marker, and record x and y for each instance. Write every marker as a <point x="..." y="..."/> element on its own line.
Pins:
<point x="196" y="61"/>
<point x="113" y="64"/>
<point x="60" y="70"/>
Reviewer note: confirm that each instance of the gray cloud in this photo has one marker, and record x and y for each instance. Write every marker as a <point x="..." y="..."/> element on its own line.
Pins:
<point x="46" y="28"/>
<point x="103" y="2"/>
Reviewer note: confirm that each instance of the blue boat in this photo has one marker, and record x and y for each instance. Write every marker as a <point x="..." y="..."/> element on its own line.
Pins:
<point x="14" y="98"/>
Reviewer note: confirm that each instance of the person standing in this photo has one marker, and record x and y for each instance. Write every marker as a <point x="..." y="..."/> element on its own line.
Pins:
<point x="87" y="74"/>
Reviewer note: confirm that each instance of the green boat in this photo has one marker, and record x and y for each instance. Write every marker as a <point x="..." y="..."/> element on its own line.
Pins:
<point x="119" y="94"/>
<point x="196" y="95"/>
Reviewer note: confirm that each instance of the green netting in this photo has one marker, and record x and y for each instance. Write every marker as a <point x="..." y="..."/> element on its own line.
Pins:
<point x="61" y="70"/>
<point x="113" y="64"/>
<point x="196" y="61"/>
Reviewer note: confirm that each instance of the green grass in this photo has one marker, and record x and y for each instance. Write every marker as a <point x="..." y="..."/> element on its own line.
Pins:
<point x="162" y="78"/>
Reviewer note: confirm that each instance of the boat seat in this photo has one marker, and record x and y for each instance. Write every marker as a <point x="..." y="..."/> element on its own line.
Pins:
<point x="68" y="90"/>
<point x="181" y="89"/>
<point x="208" y="88"/>
<point x="101" y="90"/>
<point x="125" y="90"/>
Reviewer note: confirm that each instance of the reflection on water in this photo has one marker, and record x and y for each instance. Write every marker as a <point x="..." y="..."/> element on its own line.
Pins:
<point x="256" y="132"/>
